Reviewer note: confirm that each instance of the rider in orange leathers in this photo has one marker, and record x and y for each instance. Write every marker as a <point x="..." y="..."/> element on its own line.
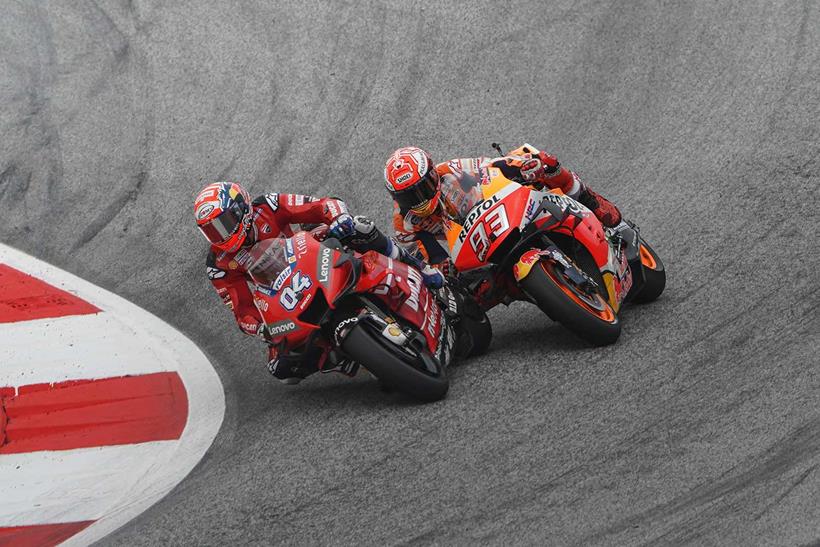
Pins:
<point x="426" y="195"/>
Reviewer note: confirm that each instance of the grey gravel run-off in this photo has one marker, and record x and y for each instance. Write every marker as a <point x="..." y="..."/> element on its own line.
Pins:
<point x="701" y="425"/>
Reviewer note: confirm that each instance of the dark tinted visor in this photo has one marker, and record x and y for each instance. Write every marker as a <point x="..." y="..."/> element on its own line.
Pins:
<point x="418" y="194"/>
<point x="224" y="226"/>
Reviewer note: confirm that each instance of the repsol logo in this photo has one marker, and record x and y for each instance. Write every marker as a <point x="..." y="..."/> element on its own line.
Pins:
<point x="566" y="203"/>
<point x="477" y="211"/>
<point x="324" y="265"/>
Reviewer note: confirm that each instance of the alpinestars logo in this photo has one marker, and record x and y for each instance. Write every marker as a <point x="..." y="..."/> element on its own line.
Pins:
<point x="215" y="273"/>
<point x="273" y="200"/>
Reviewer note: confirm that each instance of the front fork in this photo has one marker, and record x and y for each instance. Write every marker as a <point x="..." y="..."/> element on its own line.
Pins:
<point x="626" y="243"/>
<point x="529" y="259"/>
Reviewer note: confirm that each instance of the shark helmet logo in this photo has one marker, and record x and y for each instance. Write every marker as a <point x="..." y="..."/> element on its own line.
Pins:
<point x="204" y="210"/>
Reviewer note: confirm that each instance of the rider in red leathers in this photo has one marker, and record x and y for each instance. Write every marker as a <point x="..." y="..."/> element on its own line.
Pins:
<point x="232" y="223"/>
<point x="425" y="195"/>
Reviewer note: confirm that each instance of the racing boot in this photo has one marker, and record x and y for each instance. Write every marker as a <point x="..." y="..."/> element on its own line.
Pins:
<point x="602" y="208"/>
<point x="335" y="363"/>
<point x="289" y="368"/>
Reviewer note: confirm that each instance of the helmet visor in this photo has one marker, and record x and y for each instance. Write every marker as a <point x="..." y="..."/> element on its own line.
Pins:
<point x="418" y="195"/>
<point x="224" y="226"/>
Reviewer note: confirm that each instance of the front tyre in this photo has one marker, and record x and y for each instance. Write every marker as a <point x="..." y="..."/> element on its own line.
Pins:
<point x="420" y="376"/>
<point x="583" y="311"/>
<point x="654" y="275"/>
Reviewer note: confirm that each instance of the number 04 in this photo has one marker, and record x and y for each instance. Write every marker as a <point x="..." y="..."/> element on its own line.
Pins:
<point x="289" y="297"/>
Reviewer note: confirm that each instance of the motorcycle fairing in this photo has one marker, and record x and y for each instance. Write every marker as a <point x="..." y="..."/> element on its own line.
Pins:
<point x="550" y="211"/>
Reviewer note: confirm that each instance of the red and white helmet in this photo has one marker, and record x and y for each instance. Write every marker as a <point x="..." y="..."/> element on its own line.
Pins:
<point x="223" y="214"/>
<point x="412" y="180"/>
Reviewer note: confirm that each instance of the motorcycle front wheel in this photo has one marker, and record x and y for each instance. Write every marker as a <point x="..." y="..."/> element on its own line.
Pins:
<point x="583" y="311"/>
<point x="416" y="373"/>
<point x="654" y="275"/>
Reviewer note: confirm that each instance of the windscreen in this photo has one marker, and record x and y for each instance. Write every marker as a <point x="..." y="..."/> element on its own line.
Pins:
<point x="463" y="194"/>
<point x="269" y="258"/>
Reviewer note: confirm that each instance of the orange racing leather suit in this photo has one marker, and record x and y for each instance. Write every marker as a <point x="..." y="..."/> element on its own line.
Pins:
<point x="459" y="193"/>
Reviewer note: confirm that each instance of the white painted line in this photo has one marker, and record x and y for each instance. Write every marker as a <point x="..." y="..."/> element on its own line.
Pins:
<point x="79" y="485"/>
<point x="154" y="468"/>
<point x="75" y="347"/>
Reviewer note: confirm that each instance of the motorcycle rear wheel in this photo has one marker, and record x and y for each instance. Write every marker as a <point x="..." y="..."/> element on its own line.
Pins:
<point x="395" y="368"/>
<point x="480" y="333"/>
<point x="654" y="274"/>
<point x="586" y="313"/>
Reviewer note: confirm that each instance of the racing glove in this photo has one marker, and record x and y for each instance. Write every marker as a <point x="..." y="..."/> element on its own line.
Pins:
<point x="287" y="368"/>
<point x="343" y="226"/>
<point x="263" y="332"/>
<point x="539" y="168"/>
<point x="431" y="277"/>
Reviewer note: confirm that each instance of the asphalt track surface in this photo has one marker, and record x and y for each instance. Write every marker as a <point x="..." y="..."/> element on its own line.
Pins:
<point x="701" y="425"/>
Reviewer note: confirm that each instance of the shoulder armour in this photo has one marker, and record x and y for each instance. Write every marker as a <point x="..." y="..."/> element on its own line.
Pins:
<point x="271" y="200"/>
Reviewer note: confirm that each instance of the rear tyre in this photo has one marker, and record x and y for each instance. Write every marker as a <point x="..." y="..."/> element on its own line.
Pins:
<point x="586" y="313"/>
<point x="654" y="274"/>
<point x="477" y="333"/>
<point x="395" y="368"/>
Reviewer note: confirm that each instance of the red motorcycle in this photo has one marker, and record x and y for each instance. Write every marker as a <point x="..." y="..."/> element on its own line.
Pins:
<point x="548" y="249"/>
<point x="332" y="306"/>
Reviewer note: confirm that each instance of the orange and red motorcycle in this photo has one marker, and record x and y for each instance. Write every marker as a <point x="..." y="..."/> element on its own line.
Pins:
<point x="519" y="243"/>
<point x="330" y="306"/>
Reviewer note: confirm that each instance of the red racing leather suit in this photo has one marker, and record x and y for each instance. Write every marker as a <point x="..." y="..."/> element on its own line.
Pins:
<point x="459" y="193"/>
<point x="273" y="216"/>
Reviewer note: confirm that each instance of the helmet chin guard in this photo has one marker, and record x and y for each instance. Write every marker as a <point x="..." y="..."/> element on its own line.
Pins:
<point x="412" y="180"/>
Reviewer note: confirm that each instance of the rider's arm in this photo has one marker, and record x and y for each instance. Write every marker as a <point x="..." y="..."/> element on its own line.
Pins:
<point x="540" y="170"/>
<point x="233" y="289"/>
<point x="422" y="244"/>
<point x="298" y="209"/>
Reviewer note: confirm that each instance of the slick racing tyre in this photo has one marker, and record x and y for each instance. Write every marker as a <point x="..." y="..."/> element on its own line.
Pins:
<point x="480" y="334"/>
<point x="414" y="372"/>
<point x="585" y="312"/>
<point x="474" y="330"/>
<point x="654" y="274"/>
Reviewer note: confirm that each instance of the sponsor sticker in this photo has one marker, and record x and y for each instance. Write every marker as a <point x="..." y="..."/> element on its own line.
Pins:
<point x="323" y="265"/>
<point x="342" y="326"/>
<point x="282" y="327"/>
<point x="475" y="214"/>
<point x="273" y="201"/>
<point x="404" y="178"/>
<point x="243" y="258"/>
<point x="204" y="210"/>
<point x="261" y="304"/>
<point x="415" y="282"/>
<point x="301" y="245"/>
<point x="216" y="273"/>
<point x="280" y="279"/>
